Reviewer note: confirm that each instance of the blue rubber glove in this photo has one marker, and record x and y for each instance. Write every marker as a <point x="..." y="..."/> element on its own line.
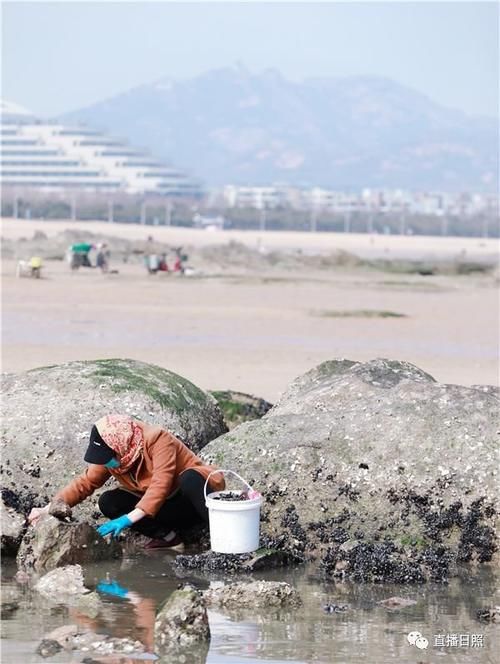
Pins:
<point x="112" y="588"/>
<point x="115" y="526"/>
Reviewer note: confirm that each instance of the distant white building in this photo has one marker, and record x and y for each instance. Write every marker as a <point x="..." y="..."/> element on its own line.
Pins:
<point x="209" y="223"/>
<point x="254" y="197"/>
<point x="51" y="156"/>
<point x="327" y="199"/>
<point x="369" y="200"/>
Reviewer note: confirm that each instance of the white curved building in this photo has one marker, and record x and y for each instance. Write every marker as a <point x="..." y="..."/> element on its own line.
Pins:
<point x="48" y="156"/>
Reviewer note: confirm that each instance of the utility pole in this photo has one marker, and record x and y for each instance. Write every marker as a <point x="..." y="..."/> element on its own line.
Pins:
<point x="15" y="207"/>
<point x="111" y="209"/>
<point x="73" y="208"/>
<point x="486" y="225"/>
<point x="263" y="219"/>
<point x="314" y="220"/>
<point x="444" y="226"/>
<point x="370" y="223"/>
<point x="347" y="222"/>
<point x="402" y="226"/>
<point x="143" y="212"/>
<point x="168" y="213"/>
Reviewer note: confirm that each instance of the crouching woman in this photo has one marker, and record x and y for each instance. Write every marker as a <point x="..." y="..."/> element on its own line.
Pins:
<point x="161" y="481"/>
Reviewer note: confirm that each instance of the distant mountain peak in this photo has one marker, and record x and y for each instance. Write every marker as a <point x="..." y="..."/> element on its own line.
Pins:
<point x="234" y="125"/>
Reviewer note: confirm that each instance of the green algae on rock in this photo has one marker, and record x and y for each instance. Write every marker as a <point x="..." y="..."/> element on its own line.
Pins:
<point x="238" y="407"/>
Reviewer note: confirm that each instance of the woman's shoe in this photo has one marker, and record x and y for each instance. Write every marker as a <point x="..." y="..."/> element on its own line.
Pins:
<point x="174" y="544"/>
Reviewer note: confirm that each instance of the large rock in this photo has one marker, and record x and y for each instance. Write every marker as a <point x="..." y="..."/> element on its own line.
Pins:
<point x="53" y="543"/>
<point x="48" y="414"/>
<point x="181" y="627"/>
<point x="377" y="458"/>
<point x="13" y="525"/>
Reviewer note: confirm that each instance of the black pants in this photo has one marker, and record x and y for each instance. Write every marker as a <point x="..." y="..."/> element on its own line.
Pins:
<point x="183" y="509"/>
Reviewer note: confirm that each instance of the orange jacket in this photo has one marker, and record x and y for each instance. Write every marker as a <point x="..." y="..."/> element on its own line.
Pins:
<point x="154" y="476"/>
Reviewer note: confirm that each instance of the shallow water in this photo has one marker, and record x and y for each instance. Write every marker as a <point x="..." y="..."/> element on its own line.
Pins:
<point x="365" y="632"/>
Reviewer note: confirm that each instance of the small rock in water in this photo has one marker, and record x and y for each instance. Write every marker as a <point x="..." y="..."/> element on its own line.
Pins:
<point x="48" y="647"/>
<point x="181" y="622"/>
<point x="63" y="581"/>
<point x="335" y="608"/>
<point x="9" y="601"/>
<point x="396" y="602"/>
<point x="253" y="593"/>
<point x="8" y="608"/>
<point x="103" y="644"/>
<point x="489" y="614"/>
<point x="63" y="635"/>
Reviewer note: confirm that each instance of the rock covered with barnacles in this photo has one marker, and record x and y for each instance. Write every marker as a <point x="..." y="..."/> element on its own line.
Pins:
<point x="66" y="580"/>
<point x="73" y="637"/>
<point x="181" y="627"/>
<point x="269" y="556"/>
<point x="375" y="469"/>
<point x="253" y="593"/>
<point x="66" y="585"/>
<point x="52" y="543"/>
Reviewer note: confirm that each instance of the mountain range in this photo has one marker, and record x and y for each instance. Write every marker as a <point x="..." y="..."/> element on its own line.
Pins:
<point x="233" y="126"/>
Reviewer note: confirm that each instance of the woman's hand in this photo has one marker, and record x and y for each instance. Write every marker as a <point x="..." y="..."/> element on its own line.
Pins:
<point x="36" y="514"/>
<point x="115" y="526"/>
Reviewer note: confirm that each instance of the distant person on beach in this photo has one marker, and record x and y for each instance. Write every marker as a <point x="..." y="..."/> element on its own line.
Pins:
<point x="163" y="266"/>
<point x="153" y="263"/>
<point x="36" y="266"/>
<point x="161" y="481"/>
<point x="102" y="258"/>
<point x="179" y="260"/>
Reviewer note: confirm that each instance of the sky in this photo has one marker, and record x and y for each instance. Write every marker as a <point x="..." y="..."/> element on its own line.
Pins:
<point x="61" y="56"/>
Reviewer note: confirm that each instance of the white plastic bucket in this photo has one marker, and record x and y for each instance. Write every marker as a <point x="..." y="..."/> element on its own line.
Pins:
<point x="234" y="525"/>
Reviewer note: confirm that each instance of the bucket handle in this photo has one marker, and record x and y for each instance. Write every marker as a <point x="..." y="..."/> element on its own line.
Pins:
<point x="214" y="472"/>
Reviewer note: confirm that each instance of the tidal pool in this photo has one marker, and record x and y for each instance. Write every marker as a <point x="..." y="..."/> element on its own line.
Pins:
<point x="445" y="615"/>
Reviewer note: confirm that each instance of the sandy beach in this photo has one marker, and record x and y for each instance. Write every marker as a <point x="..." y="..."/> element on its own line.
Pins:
<point x="362" y="244"/>
<point x="255" y="332"/>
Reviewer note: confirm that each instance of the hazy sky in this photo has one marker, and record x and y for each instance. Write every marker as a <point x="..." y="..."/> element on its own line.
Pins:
<point x="60" y="56"/>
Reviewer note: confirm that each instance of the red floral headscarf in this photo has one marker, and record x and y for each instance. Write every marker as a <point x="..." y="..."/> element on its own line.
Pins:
<point x="124" y="436"/>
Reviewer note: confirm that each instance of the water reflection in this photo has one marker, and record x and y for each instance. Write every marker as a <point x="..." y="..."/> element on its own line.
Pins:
<point x="132" y="591"/>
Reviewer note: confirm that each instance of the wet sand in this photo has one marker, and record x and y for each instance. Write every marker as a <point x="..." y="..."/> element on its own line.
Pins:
<point x="250" y="332"/>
